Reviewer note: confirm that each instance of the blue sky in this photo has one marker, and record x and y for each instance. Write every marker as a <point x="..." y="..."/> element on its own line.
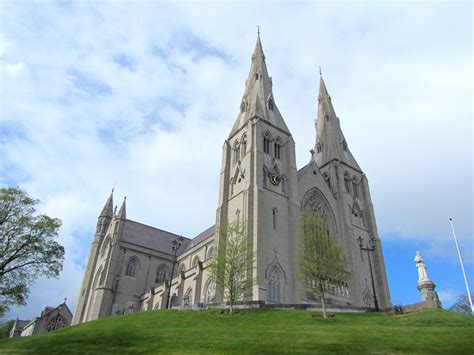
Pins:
<point x="142" y="95"/>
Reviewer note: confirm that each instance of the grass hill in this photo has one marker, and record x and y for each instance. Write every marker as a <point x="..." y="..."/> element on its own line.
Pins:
<point x="258" y="331"/>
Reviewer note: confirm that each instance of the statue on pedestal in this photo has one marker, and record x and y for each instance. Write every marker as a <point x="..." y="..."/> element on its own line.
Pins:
<point x="425" y="285"/>
<point x="420" y="265"/>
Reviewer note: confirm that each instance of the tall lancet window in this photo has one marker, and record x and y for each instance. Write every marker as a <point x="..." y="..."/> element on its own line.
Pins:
<point x="130" y="271"/>
<point x="243" y="144"/>
<point x="236" y="152"/>
<point x="347" y="182"/>
<point x="266" y="142"/>
<point x="274" y="285"/>
<point x="277" y="147"/>
<point x="354" y="186"/>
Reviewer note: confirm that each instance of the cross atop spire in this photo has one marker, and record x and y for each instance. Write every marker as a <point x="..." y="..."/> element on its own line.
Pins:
<point x="258" y="31"/>
<point x="320" y="72"/>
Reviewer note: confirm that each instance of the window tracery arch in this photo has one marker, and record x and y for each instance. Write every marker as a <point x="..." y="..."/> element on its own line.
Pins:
<point x="57" y="322"/>
<point x="162" y="274"/>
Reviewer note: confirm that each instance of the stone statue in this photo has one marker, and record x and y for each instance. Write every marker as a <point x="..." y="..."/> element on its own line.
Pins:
<point x="420" y="265"/>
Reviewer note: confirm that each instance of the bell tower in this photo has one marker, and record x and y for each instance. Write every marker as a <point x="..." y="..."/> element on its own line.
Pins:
<point x="349" y="186"/>
<point x="258" y="186"/>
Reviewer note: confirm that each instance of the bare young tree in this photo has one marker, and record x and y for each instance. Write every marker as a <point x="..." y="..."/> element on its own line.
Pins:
<point x="27" y="246"/>
<point x="320" y="262"/>
<point x="230" y="265"/>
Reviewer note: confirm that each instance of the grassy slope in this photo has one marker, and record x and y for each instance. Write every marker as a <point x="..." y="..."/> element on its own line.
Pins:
<point x="269" y="331"/>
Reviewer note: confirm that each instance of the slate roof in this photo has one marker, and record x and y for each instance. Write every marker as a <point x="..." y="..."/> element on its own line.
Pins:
<point x="209" y="232"/>
<point x="20" y="324"/>
<point x="158" y="239"/>
<point x="150" y="237"/>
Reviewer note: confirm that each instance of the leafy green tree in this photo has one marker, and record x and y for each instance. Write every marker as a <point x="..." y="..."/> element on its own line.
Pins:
<point x="230" y="265"/>
<point x="5" y="328"/>
<point x="28" y="248"/>
<point x="462" y="305"/>
<point x="320" y="262"/>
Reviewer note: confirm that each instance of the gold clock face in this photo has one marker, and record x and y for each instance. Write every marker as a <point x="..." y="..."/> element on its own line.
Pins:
<point x="275" y="179"/>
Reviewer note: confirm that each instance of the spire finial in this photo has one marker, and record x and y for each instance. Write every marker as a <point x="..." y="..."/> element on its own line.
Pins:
<point x="320" y="71"/>
<point x="258" y="31"/>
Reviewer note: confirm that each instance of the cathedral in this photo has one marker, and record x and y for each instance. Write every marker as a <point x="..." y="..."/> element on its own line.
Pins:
<point x="133" y="266"/>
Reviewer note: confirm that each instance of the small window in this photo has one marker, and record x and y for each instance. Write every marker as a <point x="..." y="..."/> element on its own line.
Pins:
<point x="236" y="152"/>
<point x="354" y="187"/>
<point x="256" y="76"/>
<point x="130" y="271"/>
<point x="270" y="105"/>
<point x="195" y="261"/>
<point x="188" y="297"/>
<point x="318" y="147"/>
<point x="347" y="182"/>
<point x="274" y="211"/>
<point x="237" y="216"/>
<point x="327" y="178"/>
<point x="161" y="275"/>
<point x="277" y="148"/>
<point x="344" y="145"/>
<point x="266" y="145"/>
<point x="243" y="145"/>
<point x="242" y="107"/>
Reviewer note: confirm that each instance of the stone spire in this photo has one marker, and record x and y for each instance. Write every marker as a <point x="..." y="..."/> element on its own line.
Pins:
<point x="108" y="209"/>
<point x="122" y="213"/>
<point x="330" y="142"/>
<point x="258" y="100"/>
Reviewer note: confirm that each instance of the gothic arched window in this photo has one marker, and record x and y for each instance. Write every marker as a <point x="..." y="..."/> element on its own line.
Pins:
<point x="274" y="285"/>
<point x="277" y="148"/>
<point x="243" y="144"/>
<point x="188" y="297"/>
<point x="354" y="187"/>
<point x="210" y="291"/>
<point x="195" y="261"/>
<point x="56" y="323"/>
<point x="347" y="182"/>
<point x="236" y="152"/>
<point x="131" y="266"/>
<point x="162" y="274"/>
<point x="266" y="142"/>
<point x="318" y="147"/>
<point x="210" y="252"/>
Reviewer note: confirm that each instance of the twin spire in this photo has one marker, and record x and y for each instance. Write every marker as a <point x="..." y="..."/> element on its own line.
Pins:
<point x="108" y="210"/>
<point x="258" y="101"/>
<point x="330" y="141"/>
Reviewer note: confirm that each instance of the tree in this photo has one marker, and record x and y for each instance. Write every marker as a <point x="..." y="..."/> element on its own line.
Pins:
<point x="27" y="246"/>
<point x="320" y="263"/>
<point x="230" y="265"/>
<point x="5" y="328"/>
<point x="462" y="305"/>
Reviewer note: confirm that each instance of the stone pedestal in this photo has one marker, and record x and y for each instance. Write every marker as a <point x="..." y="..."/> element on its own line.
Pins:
<point x="428" y="294"/>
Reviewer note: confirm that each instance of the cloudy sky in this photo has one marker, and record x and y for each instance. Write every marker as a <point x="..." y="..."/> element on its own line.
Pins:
<point x="141" y="95"/>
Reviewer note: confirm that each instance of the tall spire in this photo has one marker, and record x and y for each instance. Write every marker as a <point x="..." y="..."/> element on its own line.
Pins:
<point x="258" y="100"/>
<point x="330" y="141"/>
<point x="107" y="211"/>
<point x="122" y="213"/>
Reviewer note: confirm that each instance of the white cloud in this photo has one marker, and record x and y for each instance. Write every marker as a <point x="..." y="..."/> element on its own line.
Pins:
<point x="144" y="95"/>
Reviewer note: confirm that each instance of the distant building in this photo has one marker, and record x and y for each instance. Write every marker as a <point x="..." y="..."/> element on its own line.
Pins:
<point x="129" y="266"/>
<point x="51" y="318"/>
<point x="18" y="327"/>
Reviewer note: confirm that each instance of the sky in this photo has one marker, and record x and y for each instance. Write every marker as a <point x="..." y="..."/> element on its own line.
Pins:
<point x="140" y="96"/>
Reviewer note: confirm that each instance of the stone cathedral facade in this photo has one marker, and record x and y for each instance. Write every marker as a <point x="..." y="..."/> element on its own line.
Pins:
<point x="130" y="263"/>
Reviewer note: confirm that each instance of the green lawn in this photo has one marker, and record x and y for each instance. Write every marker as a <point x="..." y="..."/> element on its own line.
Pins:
<point x="258" y="331"/>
